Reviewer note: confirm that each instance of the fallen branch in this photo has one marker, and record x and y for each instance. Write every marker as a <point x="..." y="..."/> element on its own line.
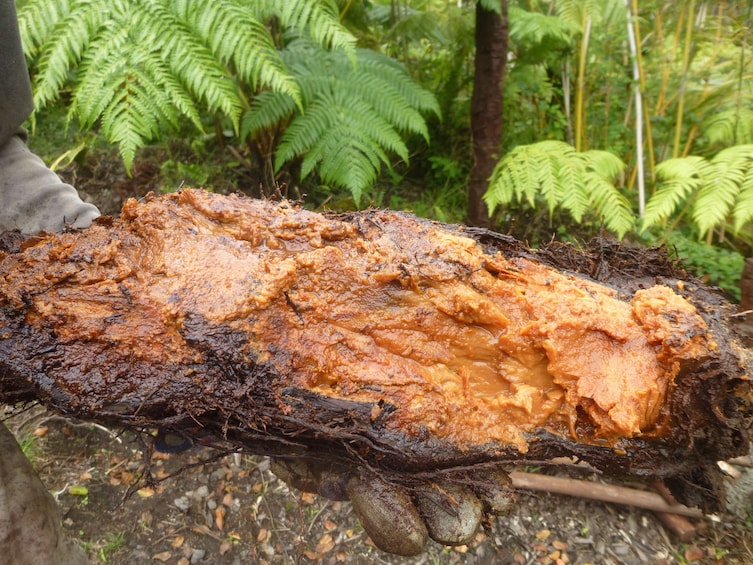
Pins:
<point x="681" y="527"/>
<point x="600" y="491"/>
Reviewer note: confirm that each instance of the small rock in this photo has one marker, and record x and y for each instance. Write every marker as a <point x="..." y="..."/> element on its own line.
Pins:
<point x="182" y="503"/>
<point x="600" y="547"/>
<point x="202" y="491"/>
<point x="140" y="555"/>
<point x="198" y="555"/>
<point x="268" y="550"/>
<point x="621" y="549"/>
<point x="220" y="473"/>
<point x="211" y="504"/>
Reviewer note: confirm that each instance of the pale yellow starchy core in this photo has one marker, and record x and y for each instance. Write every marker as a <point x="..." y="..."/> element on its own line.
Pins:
<point x="466" y="346"/>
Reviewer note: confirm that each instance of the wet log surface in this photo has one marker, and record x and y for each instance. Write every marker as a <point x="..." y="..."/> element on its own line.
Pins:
<point x="415" y="348"/>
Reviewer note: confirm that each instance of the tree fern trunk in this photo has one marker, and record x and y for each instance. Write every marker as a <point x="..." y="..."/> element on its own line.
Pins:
<point x="486" y="106"/>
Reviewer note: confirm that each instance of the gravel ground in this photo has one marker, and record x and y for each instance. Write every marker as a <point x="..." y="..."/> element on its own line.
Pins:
<point x="233" y="510"/>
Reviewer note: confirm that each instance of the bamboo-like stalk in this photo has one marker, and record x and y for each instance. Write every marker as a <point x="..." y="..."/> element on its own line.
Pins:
<point x="566" y="98"/>
<point x="638" y="112"/>
<point x="600" y="491"/>
<point x="685" y="65"/>
<point x="663" y="72"/>
<point x="580" y="88"/>
<point x="743" y="46"/>
<point x="649" y="141"/>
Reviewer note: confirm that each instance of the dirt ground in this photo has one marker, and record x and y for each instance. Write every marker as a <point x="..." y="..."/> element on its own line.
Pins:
<point x="233" y="510"/>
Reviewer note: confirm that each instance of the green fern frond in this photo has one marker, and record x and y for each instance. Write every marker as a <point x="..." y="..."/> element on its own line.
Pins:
<point x="318" y="20"/>
<point x="380" y="81"/>
<point x="100" y="77"/>
<point x="743" y="211"/>
<point x="393" y="94"/>
<point x="716" y="189"/>
<point x="412" y="25"/>
<point x="727" y="190"/>
<point x="563" y="178"/>
<point x="71" y="36"/>
<point x="268" y="109"/>
<point x="610" y="205"/>
<point x="558" y="178"/>
<point x="37" y="25"/>
<point x="569" y="168"/>
<point x="234" y="35"/>
<point x="602" y="171"/>
<point x="344" y="138"/>
<point x="729" y="127"/>
<point x="716" y="197"/>
<point x="517" y="176"/>
<point x="604" y="164"/>
<point x="607" y="13"/>
<point x="677" y="179"/>
<point x="306" y="130"/>
<point x="534" y="27"/>
<point x="490" y="5"/>
<point x="571" y="11"/>
<point x="124" y="126"/>
<point x="147" y="63"/>
<point x="353" y="116"/>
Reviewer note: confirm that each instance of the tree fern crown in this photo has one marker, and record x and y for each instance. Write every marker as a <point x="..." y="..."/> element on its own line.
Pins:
<point x="136" y="66"/>
<point x="353" y="118"/>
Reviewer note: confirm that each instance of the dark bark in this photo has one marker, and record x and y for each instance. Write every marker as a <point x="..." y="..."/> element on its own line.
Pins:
<point x="486" y="106"/>
<point x="420" y="349"/>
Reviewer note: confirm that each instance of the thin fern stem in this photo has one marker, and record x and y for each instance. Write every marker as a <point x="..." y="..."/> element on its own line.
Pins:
<point x="345" y="9"/>
<point x="689" y="142"/>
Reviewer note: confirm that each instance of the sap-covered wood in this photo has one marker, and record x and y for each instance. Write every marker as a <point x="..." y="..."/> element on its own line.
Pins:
<point x="444" y="339"/>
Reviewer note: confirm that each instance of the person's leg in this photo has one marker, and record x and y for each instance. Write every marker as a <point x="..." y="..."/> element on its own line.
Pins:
<point x="33" y="198"/>
<point x="30" y="527"/>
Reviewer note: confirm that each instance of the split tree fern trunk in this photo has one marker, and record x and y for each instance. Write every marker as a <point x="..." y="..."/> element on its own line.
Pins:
<point x="376" y="338"/>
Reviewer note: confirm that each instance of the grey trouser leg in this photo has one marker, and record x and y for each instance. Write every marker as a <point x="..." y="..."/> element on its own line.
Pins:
<point x="30" y="529"/>
<point x="33" y="198"/>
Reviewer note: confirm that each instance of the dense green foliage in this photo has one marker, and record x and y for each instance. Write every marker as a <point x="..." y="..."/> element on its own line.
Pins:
<point x="350" y="117"/>
<point x="715" y="265"/>
<point x="714" y="189"/>
<point x="137" y="67"/>
<point x="559" y="176"/>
